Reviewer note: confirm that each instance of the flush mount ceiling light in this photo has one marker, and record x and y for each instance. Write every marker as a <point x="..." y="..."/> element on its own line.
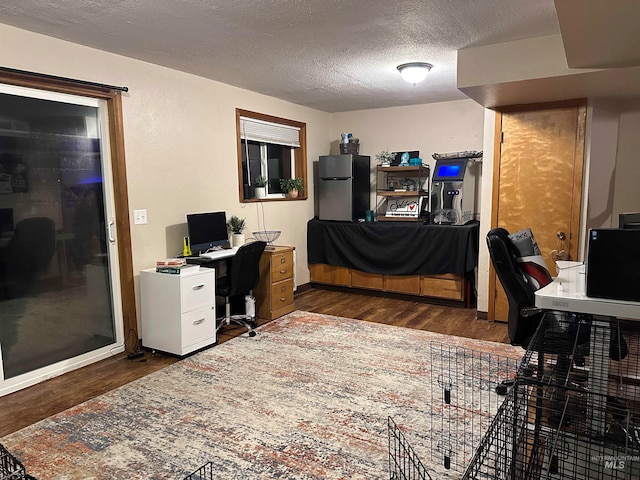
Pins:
<point x="414" y="72"/>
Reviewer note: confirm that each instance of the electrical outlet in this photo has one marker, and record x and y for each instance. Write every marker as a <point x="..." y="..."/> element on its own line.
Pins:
<point x="140" y="217"/>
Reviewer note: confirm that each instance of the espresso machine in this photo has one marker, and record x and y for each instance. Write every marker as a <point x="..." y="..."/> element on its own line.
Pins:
<point x="453" y="188"/>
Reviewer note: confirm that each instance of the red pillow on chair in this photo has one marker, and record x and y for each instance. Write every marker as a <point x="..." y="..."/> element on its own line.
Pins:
<point x="530" y="260"/>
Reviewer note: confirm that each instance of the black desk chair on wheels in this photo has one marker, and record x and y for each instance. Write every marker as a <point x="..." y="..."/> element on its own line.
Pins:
<point x="241" y="279"/>
<point x="524" y="317"/>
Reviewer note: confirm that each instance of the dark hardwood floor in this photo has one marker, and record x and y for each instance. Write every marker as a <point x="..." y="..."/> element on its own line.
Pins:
<point x="40" y="401"/>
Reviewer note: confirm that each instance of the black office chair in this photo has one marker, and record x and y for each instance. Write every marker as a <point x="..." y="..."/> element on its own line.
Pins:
<point x="28" y="253"/>
<point x="240" y="281"/>
<point x="524" y="318"/>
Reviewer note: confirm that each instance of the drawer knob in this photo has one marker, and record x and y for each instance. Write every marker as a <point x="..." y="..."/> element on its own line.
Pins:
<point x="199" y="321"/>
<point x="283" y="271"/>
<point x="283" y="299"/>
<point x="198" y="287"/>
<point x="283" y="288"/>
<point x="282" y="260"/>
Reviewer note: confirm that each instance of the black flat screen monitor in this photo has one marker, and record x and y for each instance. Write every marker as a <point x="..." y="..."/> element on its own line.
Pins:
<point x="450" y="170"/>
<point x="613" y="264"/>
<point x="207" y="231"/>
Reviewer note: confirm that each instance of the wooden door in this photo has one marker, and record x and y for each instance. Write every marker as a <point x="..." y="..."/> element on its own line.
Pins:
<point x="538" y="182"/>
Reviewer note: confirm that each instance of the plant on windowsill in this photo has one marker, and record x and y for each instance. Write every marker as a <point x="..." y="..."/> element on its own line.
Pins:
<point x="236" y="225"/>
<point x="292" y="186"/>
<point x="261" y="186"/>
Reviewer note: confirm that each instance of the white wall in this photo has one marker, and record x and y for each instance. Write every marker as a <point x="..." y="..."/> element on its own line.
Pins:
<point x="627" y="175"/>
<point x="181" y="154"/>
<point x="180" y="142"/>
<point x="430" y="128"/>
<point x="601" y="141"/>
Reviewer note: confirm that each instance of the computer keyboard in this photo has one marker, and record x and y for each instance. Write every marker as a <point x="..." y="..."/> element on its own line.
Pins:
<point x="219" y="254"/>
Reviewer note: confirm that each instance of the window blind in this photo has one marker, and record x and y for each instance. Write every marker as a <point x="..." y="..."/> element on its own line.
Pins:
<point x="268" y="132"/>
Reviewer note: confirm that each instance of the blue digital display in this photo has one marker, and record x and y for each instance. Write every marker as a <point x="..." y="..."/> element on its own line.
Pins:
<point x="449" y="170"/>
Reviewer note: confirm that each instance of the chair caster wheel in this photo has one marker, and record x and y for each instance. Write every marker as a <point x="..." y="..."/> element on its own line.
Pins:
<point x="503" y="387"/>
<point x="252" y="333"/>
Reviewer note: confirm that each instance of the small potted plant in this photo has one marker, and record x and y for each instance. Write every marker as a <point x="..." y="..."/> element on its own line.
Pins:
<point x="385" y="158"/>
<point x="261" y="186"/>
<point x="292" y="186"/>
<point x="236" y="225"/>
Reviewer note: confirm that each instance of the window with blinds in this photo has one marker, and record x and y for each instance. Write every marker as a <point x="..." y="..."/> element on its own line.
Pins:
<point x="270" y="150"/>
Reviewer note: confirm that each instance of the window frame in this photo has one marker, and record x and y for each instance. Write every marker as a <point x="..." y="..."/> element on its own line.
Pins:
<point x="299" y="154"/>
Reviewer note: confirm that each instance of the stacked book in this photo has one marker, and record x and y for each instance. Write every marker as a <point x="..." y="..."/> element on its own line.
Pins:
<point x="176" y="266"/>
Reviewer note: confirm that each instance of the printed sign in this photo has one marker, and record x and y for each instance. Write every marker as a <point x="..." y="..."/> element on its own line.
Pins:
<point x="403" y="207"/>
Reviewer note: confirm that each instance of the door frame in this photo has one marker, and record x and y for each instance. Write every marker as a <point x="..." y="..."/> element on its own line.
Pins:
<point x="113" y="99"/>
<point x="578" y="178"/>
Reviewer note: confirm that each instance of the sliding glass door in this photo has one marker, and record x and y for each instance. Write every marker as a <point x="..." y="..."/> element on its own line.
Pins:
<point x="59" y="276"/>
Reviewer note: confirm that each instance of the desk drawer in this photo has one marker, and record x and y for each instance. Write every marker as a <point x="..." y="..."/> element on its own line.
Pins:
<point x="281" y="294"/>
<point x="281" y="266"/>
<point x="197" y="291"/>
<point x="447" y="286"/>
<point x="198" y="326"/>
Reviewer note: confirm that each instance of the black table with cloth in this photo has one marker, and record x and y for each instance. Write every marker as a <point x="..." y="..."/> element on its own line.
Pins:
<point x="394" y="248"/>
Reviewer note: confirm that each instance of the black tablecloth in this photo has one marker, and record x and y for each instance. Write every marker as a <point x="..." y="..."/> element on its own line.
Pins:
<point x="394" y="248"/>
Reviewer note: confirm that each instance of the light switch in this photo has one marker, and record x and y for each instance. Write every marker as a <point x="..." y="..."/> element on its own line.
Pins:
<point x="140" y="217"/>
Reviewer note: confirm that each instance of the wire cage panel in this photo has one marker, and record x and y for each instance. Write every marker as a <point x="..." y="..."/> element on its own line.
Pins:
<point x="574" y="411"/>
<point x="10" y="467"/>
<point x="464" y="400"/>
<point x="205" y="472"/>
<point x="404" y="463"/>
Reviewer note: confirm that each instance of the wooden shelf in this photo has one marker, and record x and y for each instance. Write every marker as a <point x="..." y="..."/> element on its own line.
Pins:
<point x="410" y="168"/>
<point x="384" y="218"/>
<point x="395" y="193"/>
<point x="390" y="200"/>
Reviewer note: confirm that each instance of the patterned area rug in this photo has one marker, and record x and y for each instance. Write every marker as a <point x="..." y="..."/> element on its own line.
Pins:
<point x="307" y="398"/>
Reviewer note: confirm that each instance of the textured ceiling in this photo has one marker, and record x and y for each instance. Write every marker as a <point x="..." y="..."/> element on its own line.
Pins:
<point x="332" y="55"/>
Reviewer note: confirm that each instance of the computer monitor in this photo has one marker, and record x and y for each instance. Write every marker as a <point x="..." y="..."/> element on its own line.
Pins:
<point x="207" y="231"/>
<point x="613" y="264"/>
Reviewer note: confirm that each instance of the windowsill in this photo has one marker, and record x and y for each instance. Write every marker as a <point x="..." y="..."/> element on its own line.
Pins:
<point x="274" y="199"/>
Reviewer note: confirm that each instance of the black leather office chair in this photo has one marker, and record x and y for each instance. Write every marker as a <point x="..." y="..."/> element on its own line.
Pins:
<point x="28" y="253"/>
<point x="523" y="317"/>
<point x="240" y="281"/>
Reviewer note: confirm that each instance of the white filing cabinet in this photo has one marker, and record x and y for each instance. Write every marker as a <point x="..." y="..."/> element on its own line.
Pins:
<point x="178" y="311"/>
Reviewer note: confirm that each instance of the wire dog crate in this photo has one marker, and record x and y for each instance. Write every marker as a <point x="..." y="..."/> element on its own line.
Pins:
<point x="10" y="467"/>
<point x="205" y="472"/>
<point x="463" y="404"/>
<point x="404" y="463"/>
<point x="464" y="400"/>
<point x="574" y="410"/>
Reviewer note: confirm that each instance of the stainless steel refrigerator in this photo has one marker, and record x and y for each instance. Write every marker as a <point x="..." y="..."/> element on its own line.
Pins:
<point x="344" y="183"/>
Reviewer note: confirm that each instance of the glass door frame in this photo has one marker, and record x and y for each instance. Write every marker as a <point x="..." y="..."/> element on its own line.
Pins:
<point x="119" y="228"/>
